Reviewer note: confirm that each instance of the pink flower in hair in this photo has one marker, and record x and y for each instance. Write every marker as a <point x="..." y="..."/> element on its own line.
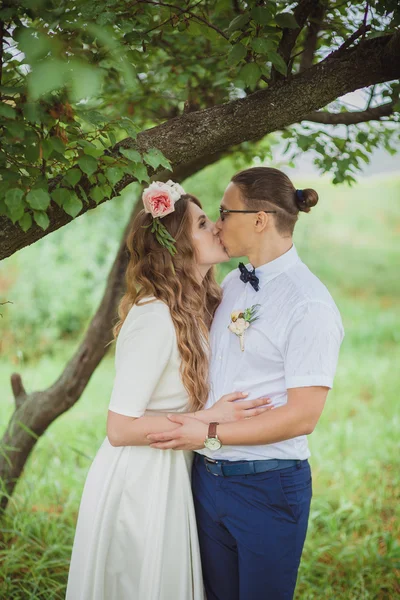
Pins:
<point x="159" y="198"/>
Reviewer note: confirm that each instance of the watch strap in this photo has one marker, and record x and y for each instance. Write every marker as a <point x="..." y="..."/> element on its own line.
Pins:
<point x="212" y="430"/>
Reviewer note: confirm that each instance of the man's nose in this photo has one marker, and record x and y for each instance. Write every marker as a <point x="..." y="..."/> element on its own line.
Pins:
<point x="217" y="226"/>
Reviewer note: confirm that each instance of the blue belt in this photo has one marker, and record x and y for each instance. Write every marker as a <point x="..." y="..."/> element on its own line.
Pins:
<point x="226" y="468"/>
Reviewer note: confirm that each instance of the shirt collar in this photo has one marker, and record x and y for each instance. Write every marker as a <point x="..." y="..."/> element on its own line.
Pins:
<point x="272" y="269"/>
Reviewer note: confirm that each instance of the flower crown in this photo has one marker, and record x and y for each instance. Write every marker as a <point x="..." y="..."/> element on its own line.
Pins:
<point x="159" y="200"/>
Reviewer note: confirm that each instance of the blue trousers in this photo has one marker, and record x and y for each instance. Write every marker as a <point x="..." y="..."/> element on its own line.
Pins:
<point x="251" y="530"/>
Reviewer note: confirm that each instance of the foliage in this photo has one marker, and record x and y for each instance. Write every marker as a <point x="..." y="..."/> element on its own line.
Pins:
<point x="78" y="76"/>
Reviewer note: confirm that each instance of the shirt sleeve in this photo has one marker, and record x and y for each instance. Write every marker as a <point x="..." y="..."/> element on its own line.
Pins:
<point x="313" y="340"/>
<point x="144" y="352"/>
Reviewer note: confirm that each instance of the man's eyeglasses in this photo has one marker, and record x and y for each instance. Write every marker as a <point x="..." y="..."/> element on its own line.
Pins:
<point x="225" y="211"/>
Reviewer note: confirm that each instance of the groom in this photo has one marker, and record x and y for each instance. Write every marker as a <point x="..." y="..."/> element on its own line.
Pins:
<point x="251" y="479"/>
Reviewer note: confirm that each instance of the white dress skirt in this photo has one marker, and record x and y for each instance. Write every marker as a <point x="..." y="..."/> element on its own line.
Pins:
<point x="136" y="535"/>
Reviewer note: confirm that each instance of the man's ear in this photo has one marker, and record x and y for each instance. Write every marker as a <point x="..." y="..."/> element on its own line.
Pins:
<point x="262" y="220"/>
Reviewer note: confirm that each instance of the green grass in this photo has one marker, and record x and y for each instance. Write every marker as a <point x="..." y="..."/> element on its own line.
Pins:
<point x="352" y="551"/>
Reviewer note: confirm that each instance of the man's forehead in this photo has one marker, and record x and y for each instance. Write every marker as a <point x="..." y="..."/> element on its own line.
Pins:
<point x="232" y="197"/>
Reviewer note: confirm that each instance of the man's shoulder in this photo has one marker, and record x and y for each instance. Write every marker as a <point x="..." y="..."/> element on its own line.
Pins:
<point x="306" y="287"/>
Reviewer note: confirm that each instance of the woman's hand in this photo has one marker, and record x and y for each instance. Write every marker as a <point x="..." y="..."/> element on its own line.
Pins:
<point x="227" y="410"/>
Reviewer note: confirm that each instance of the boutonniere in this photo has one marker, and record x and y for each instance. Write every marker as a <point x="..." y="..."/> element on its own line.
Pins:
<point x="241" y="321"/>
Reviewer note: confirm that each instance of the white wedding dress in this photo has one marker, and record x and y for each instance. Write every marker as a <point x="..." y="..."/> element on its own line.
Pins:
<point x="136" y="536"/>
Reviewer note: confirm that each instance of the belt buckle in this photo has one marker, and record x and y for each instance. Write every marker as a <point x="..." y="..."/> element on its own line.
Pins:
<point x="213" y="462"/>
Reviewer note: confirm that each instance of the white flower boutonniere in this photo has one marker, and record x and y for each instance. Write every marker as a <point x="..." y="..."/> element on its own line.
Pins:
<point x="241" y="321"/>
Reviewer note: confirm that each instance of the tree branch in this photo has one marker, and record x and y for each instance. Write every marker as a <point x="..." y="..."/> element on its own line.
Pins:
<point x="195" y="135"/>
<point x="289" y="36"/>
<point x="311" y="41"/>
<point x="351" y="118"/>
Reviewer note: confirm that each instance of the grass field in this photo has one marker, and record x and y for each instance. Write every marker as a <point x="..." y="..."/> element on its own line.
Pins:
<point x="352" y="551"/>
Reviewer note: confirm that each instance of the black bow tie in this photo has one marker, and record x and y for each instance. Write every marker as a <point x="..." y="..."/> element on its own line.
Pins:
<point x="248" y="276"/>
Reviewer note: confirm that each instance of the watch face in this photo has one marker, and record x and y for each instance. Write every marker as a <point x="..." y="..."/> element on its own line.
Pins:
<point x="212" y="444"/>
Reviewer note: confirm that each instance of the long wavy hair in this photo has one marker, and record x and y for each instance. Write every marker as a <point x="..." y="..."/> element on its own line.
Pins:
<point x="152" y="271"/>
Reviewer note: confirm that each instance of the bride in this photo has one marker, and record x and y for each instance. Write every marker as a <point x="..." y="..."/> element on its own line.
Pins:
<point x="136" y="536"/>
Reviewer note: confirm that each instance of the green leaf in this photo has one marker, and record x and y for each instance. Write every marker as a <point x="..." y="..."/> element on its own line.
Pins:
<point x="140" y="172"/>
<point x="7" y="111"/>
<point x="261" y="45"/>
<point x="72" y="205"/>
<point x="155" y="158"/>
<point x="57" y="144"/>
<point x="15" y="203"/>
<point x="96" y="193"/>
<point x="46" y="76"/>
<point x="25" y="222"/>
<point x="38" y="199"/>
<point x="114" y="174"/>
<point x="261" y="15"/>
<point x="85" y="81"/>
<point x="73" y="176"/>
<point x="131" y="154"/>
<point x="82" y="191"/>
<point x="236" y="54"/>
<point x="286" y="20"/>
<point x="14" y="197"/>
<point x="41" y="219"/>
<point x="250" y="74"/>
<point x="88" y="164"/>
<point x="277" y="61"/>
<point x="60" y="195"/>
<point x="238" y="22"/>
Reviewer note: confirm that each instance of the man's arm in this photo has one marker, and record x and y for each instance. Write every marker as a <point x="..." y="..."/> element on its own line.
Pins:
<point x="298" y="417"/>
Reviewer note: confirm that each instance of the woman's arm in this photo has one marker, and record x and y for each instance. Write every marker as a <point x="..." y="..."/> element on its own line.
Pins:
<point x="133" y="431"/>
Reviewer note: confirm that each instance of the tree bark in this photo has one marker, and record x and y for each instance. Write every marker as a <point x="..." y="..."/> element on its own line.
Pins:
<point x="192" y="136"/>
<point x="37" y="410"/>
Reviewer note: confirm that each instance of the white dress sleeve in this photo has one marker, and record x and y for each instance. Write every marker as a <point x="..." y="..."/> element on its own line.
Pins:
<point x="313" y="340"/>
<point x="143" y="353"/>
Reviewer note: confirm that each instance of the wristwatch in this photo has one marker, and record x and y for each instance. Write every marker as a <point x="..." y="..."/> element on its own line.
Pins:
<point x="212" y="441"/>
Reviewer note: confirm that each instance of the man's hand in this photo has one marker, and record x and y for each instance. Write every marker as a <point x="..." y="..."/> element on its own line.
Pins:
<point x="189" y="436"/>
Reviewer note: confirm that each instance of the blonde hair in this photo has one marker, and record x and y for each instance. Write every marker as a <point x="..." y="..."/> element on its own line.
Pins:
<point x="152" y="271"/>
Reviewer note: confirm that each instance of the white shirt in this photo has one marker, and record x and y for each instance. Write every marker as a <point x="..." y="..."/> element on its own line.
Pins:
<point x="294" y="343"/>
